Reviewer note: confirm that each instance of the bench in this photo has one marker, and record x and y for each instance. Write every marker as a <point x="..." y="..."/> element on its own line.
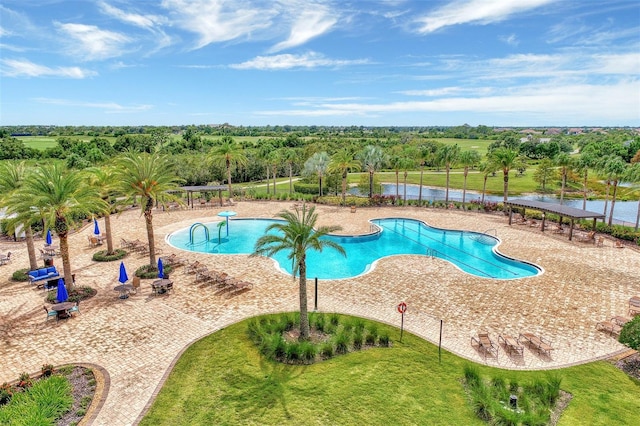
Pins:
<point x="43" y="274"/>
<point x="538" y="343"/>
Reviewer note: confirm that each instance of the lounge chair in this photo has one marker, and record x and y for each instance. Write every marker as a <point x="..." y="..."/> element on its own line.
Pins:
<point x="511" y="345"/>
<point x="634" y="306"/>
<point x="589" y="238"/>
<point x="173" y="260"/>
<point x="618" y="244"/>
<point x="600" y="242"/>
<point x="558" y="230"/>
<point x="240" y="286"/>
<point x="192" y="268"/>
<point x="484" y="344"/>
<point x="538" y="343"/>
<point x="609" y="327"/>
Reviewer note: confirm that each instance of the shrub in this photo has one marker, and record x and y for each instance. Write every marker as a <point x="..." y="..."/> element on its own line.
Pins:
<point x="6" y="392"/>
<point x="24" y="381"/>
<point x="334" y="319"/>
<point x="327" y="350"/>
<point x="308" y="351"/>
<point x="20" y="275"/>
<point x="148" y="271"/>
<point x="47" y="370"/>
<point x="293" y="351"/>
<point x="384" y="340"/>
<point x="358" y="338"/>
<point x="342" y="343"/>
<point x="630" y="334"/>
<point x="75" y="295"/>
<point x="102" y="256"/>
<point x="472" y="375"/>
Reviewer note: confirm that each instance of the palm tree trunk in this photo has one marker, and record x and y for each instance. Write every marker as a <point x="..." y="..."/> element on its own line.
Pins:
<point x="446" y="194"/>
<point x="370" y="184"/>
<point x="506" y="184"/>
<point x="344" y="187"/>
<point x="275" y="172"/>
<point x="484" y="187"/>
<point x="638" y="217"/>
<point x="397" y="184"/>
<point x="564" y="183"/>
<point x="420" y="190"/>
<point x="148" y="217"/>
<point x="33" y="260"/>
<point x="268" y="181"/>
<point x="405" y="188"/>
<point x="464" y="186"/>
<point x="290" y="179"/>
<point x="304" y="315"/>
<point x="606" y="198"/>
<point x="229" y="178"/>
<point x="584" y="189"/>
<point x="107" y="229"/>
<point x="320" y="180"/>
<point x="66" y="264"/>
<point x="613" y="201"/>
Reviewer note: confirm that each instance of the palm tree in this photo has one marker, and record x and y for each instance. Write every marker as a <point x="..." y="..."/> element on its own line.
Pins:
<point x="61" y="197"/>
<point x="317" y="164"/>
<point x="12" y="175"/>
<point x="296" y="235"/>
<point x="290" y="156"/>
<point x="150" y="177"/>
<point x="228" y="153"/>
<point x="564" y="161"/>
<point x="448" y="155"/>
<point x="486" y="168"/>
<point x="584" y="163"/>
<point x="614" y="168"/>
<point x="105" y="181"/>
<point x="406" y="163"/>
<point x="505" y="159"/>
<point x="633" y="176"/>
<point x="343" y="163"/>
<point x="373" y="159"/>
<point x="274" y="161"/>
<point x="467" y="159"/>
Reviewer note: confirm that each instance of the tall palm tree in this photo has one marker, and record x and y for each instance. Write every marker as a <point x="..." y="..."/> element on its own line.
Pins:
<point x="290" y="156"/>
<point x="486" y="168"/>
<point x="318" y="165"/>
<point x="467" y="159"/>
<point x="12" y="175"/>
<point x="296" y="235"/>
<point x="447" y="156"/>
<point x="583" y="164"/>
<point x="274" y="161"/>
<point x="564" y="162"/>
<point x="343" y="162"/>
<point x="372" y="159"/>
<point x="633" y="176"/>
<point x="505" y="159"/>
<point x="227" y="154"/>
<point x="61" y="197"/>
<point x="104" y="180"/>
<point x="150" y="177"/>
<point x="613" y="168"/>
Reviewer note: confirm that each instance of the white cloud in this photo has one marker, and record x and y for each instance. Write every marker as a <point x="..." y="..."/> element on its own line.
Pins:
<point x="474" y="11"/>
<point x="91" y="43"/>
<point x="219" y="20"/>
<point x="309" y="24"/>
<point x="511" y="39"/>
<point x="25" y="68"/>
<point x="287" y="61"/>
<point x="143" y="21"/>
<point x="108" y="107"/>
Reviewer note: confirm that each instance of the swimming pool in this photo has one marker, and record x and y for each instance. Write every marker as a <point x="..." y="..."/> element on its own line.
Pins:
<point x="472" y="252"/>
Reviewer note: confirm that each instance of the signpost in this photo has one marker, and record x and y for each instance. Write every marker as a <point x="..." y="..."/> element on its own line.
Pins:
<point x="402" y="308"/>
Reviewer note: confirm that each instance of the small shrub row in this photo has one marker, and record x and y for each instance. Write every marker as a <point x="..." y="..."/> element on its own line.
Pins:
<point x="76" y="295"/>
<point x="148" y="271"/>
<point x="331" y="336"/>
<point x="102" y="256"/>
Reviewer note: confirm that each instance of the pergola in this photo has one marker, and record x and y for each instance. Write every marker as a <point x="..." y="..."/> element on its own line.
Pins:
<point x="210" y="188"/>
<point x="560" y="210"/>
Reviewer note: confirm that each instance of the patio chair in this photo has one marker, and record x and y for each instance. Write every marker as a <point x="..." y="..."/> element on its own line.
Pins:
<point x="5" y="259"/>
<point x="542" y="346"/>
<point x="600" y="242"/>
<point x="634" y="306"/>
<point x="135" y="283"/>
<point x="50" y="314"/>
<point x="511" y="345"/>
<point x="484" y="344"/>
<point x="589" y="238"/>
<point x="74" y="309"/>
<point x="618" y="244"/>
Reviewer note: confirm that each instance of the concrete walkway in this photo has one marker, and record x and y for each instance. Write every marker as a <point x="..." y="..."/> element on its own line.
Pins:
<point x="136" y="339"/>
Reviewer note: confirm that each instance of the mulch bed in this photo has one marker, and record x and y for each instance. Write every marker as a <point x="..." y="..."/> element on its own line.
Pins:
<point x="630" y="365"/>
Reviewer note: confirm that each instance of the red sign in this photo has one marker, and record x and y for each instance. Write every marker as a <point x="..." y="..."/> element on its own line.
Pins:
<point x="402" y="307"/>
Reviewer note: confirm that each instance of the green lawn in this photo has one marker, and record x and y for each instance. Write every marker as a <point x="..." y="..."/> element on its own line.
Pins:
<point x="222" y="379"/>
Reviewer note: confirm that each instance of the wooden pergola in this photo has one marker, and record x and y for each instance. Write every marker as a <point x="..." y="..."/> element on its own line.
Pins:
<point x="562" y="211"/>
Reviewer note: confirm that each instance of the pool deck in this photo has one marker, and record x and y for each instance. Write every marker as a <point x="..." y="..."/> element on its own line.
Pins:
<point x="137" y="339"/>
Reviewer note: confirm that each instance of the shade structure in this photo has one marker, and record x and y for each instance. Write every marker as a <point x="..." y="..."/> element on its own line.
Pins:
<point x="62" y="294"/>
<point x="227" y="214"/>
<point x="96" y="228"/>
<point x="160" y="268"/>
<point x="49" y="240"/>
<point x="123" y="278"/>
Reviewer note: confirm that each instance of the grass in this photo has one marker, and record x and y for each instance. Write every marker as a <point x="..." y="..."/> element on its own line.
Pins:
<point x="222" y="379"/>
<point x="42" y="404"/>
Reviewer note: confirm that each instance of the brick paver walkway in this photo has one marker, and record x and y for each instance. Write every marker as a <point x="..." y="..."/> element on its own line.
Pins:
<point x="136" y="339"/>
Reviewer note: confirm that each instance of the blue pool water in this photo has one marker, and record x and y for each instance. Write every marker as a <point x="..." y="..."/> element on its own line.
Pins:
<point x="472" y="252"/>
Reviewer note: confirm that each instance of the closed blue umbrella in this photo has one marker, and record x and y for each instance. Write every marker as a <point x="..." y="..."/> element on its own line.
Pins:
<point x="160" y="268"/>
<point x="48" y="239"/>
<point x="123" y="274"/>
<point x="96" y="228"/>
<point x="62" y="294"/>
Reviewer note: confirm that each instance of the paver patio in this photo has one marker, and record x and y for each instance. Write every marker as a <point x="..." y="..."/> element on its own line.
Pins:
<point x="136" y="339"/>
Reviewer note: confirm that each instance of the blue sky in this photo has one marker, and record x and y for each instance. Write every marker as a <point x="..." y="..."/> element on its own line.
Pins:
<point x="297" y="62"/>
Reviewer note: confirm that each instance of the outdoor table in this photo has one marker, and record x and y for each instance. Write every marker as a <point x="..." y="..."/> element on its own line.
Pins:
<point x="124" y="290"/>
<point x="62" y="308"/>
<point x="50" y="250"/>
<point x="160" y="286"/>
